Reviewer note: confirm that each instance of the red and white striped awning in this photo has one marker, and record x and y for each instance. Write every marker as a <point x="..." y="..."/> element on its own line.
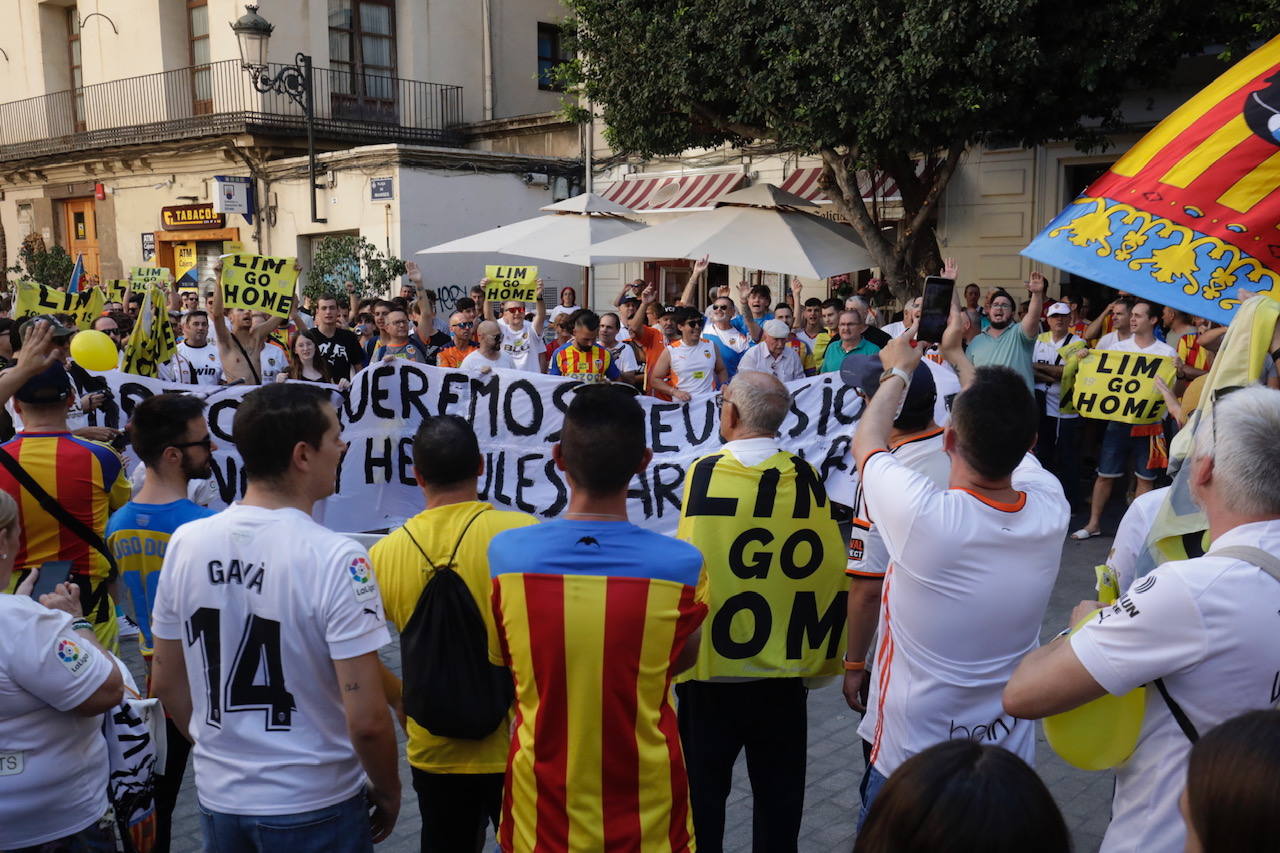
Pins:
<point x="672" y="192"/>
<point x="877" y="186"/>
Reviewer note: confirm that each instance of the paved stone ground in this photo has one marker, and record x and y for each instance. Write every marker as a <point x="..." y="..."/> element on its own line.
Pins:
<point x="835" y="756"/>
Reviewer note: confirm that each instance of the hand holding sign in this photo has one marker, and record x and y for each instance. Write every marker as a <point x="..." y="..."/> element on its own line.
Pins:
<point x="1120" y="386"/>
<point x="260" y="283"/>
<point x="503" y="283"/>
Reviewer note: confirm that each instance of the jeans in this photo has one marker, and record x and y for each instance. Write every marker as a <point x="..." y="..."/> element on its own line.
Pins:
<point x="341" y="828"/>
<point x="871" y="786"/>
<point x="768" y="719"/>
<point x="456" y="808"/>
<point x="1058" y="449"/>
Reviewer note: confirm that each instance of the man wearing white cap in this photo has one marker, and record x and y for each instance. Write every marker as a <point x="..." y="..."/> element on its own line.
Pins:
<point x="772" y="355"/>
<point x="1057" y="446"/>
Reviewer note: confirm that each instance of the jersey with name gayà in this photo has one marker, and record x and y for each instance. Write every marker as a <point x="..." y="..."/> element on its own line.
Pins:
<point x="263" y="601"/>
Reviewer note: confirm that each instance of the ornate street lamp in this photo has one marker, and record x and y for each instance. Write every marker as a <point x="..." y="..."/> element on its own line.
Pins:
<point x="253" y="32"/>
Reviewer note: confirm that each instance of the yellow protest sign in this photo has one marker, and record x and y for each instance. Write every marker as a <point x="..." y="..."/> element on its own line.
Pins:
<point x="33" y="299"/>
<point x="775" y="560"/>
<point x="1121" y="386"/>
<point x="115" y="289"/>
<point x="149" y="275"/>
<point x="518" y="283"/>
<point x="259" y="283"/>
<point x="152" y="342"/>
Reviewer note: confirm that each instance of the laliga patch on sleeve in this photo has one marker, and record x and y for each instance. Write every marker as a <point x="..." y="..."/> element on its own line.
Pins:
<point x="72" y="655"/>
<point x="362" y="579"/>
<point x="856" y="549"/>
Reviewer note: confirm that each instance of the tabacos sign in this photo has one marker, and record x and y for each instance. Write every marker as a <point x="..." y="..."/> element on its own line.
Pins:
<point x="181" y="217"/>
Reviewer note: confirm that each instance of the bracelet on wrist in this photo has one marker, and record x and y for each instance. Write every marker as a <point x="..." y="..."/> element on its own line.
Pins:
<point x="81" y="624"/>
<point x="853" y="665"/>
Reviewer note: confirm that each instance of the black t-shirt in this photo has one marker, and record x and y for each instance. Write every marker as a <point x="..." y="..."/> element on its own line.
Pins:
<point x="431" y="346"/>
<point x="341" y="351"/>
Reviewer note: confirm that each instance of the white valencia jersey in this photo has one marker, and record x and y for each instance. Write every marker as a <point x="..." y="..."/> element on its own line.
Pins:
<point x="964" y="596"/>
<point x="263" y="601"/>
<point x="199" y="366"/>
<point x="274" y="360"/>
<point x="922" y="452"/>
<point x="693" y="368"/>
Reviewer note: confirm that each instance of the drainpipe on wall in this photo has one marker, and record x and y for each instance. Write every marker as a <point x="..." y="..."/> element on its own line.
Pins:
<point x="487" y="54"/>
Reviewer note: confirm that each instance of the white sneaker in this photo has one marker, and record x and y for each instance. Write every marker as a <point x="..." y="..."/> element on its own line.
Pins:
<point x="128" y="628"/>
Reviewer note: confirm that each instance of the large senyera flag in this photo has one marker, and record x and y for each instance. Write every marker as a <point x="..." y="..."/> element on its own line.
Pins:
<point x="1192" y="211"/>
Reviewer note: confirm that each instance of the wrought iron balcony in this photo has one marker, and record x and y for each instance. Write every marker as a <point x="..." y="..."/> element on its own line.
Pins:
<point x="219" y="98"/>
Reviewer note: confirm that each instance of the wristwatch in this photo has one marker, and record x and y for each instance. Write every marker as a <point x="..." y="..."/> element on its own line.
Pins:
<point x="899" y="372"/>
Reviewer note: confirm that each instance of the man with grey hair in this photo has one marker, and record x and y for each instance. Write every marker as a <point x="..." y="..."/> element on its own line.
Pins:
<point x="1202" y="631"/>
<point x="775" y="593"/>
<point x="772" y="355"/>
<point x="872" y="332"/>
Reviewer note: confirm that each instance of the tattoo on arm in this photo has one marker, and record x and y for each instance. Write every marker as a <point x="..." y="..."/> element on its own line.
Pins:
<point x="351" y="686"/>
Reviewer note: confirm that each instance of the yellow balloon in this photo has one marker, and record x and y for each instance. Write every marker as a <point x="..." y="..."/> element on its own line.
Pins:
<point x="94" y="351"/>
<point x="1099" y="734"/>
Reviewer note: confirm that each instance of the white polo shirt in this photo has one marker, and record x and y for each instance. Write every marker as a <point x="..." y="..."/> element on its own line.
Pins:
<point x="964" y="596"/>
<point x="273" y="598"/>
<point x="1208" y="626"/>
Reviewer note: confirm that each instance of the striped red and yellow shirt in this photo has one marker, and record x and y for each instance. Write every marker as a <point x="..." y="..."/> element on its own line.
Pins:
<point x="591" y="617"/>
<point x="87" y="478"/>
<point x="589" y="365"/>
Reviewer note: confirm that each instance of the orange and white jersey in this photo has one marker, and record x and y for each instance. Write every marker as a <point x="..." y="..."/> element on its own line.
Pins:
<point x="693" y="367"/>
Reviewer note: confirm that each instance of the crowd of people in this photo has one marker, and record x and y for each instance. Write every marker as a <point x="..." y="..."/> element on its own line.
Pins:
<point x="556" y="682"/>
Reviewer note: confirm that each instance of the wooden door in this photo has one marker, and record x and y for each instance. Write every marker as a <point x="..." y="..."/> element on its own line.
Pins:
<point x="80" y="230"/>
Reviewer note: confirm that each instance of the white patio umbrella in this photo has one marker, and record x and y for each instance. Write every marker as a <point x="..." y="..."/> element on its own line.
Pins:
<point x="571" y="227"/>
<point x="761" y="228"/>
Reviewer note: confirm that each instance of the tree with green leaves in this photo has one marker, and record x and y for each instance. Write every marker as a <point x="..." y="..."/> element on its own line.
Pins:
<point x="340" y="258"/>
<point x="891" y="86"/>
<point x="50" y="267"/>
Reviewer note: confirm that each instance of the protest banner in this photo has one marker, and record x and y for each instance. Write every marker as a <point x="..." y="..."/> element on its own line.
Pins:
<point x="1121" y="386"/>
<point x="149" y="275"/>
<point x="259" y="283"/>
<point x="505" y="282"/>
<point x="34" y="298"/>
<point x="517" y="418"/>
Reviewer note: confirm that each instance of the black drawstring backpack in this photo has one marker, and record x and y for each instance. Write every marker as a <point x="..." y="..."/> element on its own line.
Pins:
<point x="450" y="687"/>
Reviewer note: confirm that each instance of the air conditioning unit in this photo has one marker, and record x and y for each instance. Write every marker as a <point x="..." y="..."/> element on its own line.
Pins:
<point x="537" y="179"/>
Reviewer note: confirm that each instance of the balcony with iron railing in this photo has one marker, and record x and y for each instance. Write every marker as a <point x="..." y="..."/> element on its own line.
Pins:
<point x="219" y="98"/>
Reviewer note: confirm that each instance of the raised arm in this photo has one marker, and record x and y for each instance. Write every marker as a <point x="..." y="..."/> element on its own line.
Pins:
<point x="877" y="420"/>
<point x="414" y="273"/>
<point x="796" y="299"/>
<point x="636" y="323"/>
<point x="952" y="344"/>
<point x="217" y="314"/>
<point x="1094" y="330"/>
<point x="699" y="271"/>
<point x="1031" y="322"/>
<point x="539" y="312"/>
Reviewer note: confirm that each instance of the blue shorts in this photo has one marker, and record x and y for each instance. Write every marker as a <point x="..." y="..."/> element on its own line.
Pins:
<point x="1117" y="446"/>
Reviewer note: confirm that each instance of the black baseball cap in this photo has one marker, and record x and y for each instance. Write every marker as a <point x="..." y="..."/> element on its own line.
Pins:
<point x="863" y="373"/>
<point x="629" y="300"/>
<point x="59" y="330"/>
<point x="51" y="385"/>
<point x="669" y="311"/>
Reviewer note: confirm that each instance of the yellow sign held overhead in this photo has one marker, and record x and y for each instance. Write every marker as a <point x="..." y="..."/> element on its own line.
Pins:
<point x="152" y="342"/>
<point x="1121" y="386"/>
<point x="149" y="275"/>
<point x="34" y="299"/>
<point x="507" y="282"/>
<point x="259" y="283"/>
